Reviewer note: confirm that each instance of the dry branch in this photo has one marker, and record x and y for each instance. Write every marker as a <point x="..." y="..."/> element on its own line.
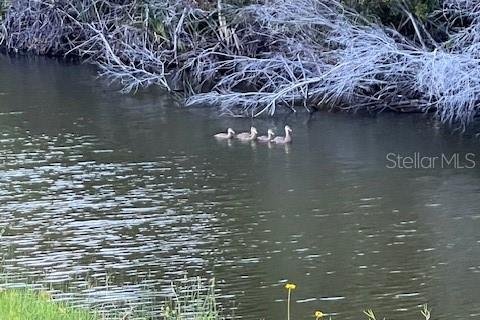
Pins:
<point x="258" y="59"/>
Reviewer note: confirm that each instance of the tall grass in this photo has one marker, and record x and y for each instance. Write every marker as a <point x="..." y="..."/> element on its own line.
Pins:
<point x="192" y="300"/>
<point x="185" y="299"/>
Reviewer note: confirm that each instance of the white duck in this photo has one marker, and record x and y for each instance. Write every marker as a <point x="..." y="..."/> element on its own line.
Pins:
<point x="286" y="139"/>
<point x="248" y="136"/>
<point x="268" y="137"/>
<point x="245" y="134"/>
<point x="229" y="135"/>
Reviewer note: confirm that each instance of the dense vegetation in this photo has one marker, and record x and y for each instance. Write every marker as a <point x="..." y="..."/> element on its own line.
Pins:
<point x="258" y="58"/>
<point x="393" y="11"/>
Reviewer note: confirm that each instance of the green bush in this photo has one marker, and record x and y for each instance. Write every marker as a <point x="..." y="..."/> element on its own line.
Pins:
<point x="390" y="11"/>
<point x="3" y="8"/>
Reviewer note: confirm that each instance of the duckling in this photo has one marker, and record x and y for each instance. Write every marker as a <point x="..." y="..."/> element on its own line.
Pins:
<point x="286" y="139"/>
<point x="268" y="137"/>
<point x="229" y="135"/>
<point x="252" y="136"/>
<point x="244" y="135"/>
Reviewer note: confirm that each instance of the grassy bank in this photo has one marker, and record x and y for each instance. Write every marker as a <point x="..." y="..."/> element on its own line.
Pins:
<point x="26" y="305"/>
<point x="192" y="298"/>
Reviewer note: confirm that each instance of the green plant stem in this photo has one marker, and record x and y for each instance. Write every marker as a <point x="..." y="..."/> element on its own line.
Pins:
<point x="288" y="304"/>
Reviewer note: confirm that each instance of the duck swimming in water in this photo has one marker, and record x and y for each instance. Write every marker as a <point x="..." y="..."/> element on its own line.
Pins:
<point x="229" y="135"/>
<point x="268" y="137"/>
<point x="245" y="136"/>
<point x="286" y="139"/>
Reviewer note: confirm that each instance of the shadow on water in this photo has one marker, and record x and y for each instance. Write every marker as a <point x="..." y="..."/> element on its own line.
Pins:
<point x="94" y="182"/>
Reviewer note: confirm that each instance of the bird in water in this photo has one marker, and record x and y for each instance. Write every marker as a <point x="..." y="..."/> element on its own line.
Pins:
<point x="242" y="135"/>
<point x="248" y="136"/>
<point x="286" y="139"/>
<point x="229" y="135"/>
<point x="268" y="137"/>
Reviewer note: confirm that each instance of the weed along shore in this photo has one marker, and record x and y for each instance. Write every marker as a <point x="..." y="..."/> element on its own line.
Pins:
<point x="192" y="302"/>
<point x="187" y="299"/>
<point x="255" y="59"/>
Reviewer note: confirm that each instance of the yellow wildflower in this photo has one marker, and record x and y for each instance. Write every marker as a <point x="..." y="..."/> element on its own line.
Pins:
<point x="290" y="286"/>
<point x="319" y="314"/>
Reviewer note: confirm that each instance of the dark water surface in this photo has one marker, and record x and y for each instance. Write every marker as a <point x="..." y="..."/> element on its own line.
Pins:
<point x="93" y="182"/>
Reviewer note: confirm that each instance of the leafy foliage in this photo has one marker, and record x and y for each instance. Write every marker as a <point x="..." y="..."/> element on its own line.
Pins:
<point x="3" y="8"/>
<point x="390" y="11"/>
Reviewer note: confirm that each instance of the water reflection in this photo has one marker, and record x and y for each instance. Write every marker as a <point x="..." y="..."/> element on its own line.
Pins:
<point x="95" y="184"/>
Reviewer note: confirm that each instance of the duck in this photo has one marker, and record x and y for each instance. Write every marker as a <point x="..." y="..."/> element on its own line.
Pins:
<point x="286" y="139"/>
<point x="248" y="136"/>
<point x="229" y="135"/>
<point x="268" y="137"/>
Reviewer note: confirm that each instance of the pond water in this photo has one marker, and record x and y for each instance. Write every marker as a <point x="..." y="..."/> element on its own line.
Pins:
<point x="96" y="183"/>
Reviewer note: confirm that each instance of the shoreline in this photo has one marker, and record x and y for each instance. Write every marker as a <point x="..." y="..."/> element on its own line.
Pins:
<point x="252" y="60"/>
